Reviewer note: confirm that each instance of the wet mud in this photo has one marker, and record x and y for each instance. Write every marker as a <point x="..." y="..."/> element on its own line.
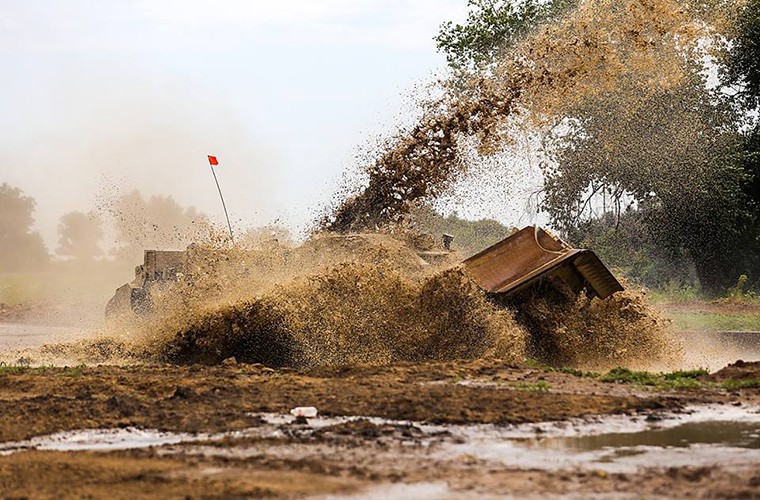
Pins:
<point x="408" y="440"/>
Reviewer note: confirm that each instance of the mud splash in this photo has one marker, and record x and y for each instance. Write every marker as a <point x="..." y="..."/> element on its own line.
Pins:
<point x="368" y="299"/>
<point x="727" y="427"/>
<point x="353" y="313"/>
<point x="567" y="329"/>
<point x="599" y="46"/>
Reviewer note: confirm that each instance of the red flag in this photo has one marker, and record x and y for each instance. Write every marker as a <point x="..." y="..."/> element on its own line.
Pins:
<point x="212" y="160"/>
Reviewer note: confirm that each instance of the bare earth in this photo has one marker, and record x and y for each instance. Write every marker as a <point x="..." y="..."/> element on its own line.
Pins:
<point x="357" y="457"/>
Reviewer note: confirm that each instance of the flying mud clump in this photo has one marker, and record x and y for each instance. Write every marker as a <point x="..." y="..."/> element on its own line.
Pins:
<point x="595" y="48"/>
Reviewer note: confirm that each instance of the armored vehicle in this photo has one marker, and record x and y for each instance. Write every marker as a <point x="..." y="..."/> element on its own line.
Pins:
<point x="158" y="268"/>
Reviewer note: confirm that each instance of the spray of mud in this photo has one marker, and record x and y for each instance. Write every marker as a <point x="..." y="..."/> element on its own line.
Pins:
<point x="342" y="300"/>
<point x="334" y="300"/>
<point x="354" y="313"/>
<point x="338" y="301"/>
<point x="570" y="329"/>
<point x="595" y="48"/>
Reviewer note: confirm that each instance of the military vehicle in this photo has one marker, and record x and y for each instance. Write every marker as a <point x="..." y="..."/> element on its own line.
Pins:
<point x="159" y="267"/>
<point x="523" y="258"/>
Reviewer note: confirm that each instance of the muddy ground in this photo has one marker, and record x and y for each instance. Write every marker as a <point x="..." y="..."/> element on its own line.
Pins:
<point x="362" y="457"/>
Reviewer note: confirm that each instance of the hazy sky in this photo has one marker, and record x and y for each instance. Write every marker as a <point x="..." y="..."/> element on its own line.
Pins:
<point x="101" y="97"/>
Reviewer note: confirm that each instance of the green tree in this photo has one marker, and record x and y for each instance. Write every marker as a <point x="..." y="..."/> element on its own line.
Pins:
<point x="21" y="248"/>
<point x="158" y="222"/>
<point x="491" y="26"/>
<point x="80" y="235"/>
<point x="742" y="70"/>
<point x="743" y="73"/>
<point x="625" y="243"/>
<point x="678" y="158"/>
<point x="674" y="155"/>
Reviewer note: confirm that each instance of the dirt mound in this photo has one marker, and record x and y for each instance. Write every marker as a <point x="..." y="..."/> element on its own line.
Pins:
<point x="327" y="249"/>
<point x="741" y="370"/>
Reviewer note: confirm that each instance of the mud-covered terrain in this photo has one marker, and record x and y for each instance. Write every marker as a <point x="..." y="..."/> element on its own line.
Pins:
<point x="417" y="409"/>
<point x="426" y="385"/>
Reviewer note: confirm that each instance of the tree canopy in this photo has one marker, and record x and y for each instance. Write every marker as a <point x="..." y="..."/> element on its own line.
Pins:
<point x="743" y="68"/>
<point x="21" y="248"/>
<point x="158" y="222"/>
<point x="80" y="235"/>
<point x="493" y="25"/>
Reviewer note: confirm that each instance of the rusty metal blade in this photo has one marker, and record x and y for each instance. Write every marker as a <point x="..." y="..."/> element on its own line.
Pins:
<point x="532" y="253"/>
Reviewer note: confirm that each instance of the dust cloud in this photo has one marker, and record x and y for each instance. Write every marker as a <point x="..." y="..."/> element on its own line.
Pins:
<point x="108" y="131"/>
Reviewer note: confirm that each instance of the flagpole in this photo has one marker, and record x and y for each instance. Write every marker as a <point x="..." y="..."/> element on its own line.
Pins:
<point x="224" y="206"/>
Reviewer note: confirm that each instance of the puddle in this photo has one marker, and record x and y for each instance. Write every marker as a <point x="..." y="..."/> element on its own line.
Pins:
<point x="418" y="491"/>
<point x="705" y="435"/>
<point x="99" y="440"/>
<point x="725" y="433"/>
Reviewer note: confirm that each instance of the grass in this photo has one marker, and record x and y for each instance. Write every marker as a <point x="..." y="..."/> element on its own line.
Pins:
<point x="74" y="372"/>
<point x="13" y="369"/>
<point x="24" y="368"/>
<point x="681" y="379"/>
<point x="675" y="295"/>
<point x="715" y="321"/>
<point x="18" y="369"/>
<point x="560" y="369"/>
<point x="691" y="310"/>
<point x="750" y="383"/>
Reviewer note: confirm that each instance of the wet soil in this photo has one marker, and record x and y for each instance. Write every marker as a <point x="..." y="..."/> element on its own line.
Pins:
<point x="197" y="398"/>
<point x="351" y="458"/>
<point x="145" y="473"/>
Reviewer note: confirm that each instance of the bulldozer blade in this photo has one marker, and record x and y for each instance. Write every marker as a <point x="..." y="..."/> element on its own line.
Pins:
<point x="531" y="254"/>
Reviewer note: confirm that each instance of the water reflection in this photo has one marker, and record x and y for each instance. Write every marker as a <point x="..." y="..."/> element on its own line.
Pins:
<point x="725" y="433"/>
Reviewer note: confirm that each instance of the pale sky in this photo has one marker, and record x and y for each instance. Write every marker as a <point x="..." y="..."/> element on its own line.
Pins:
<point x="100" y="97"/>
